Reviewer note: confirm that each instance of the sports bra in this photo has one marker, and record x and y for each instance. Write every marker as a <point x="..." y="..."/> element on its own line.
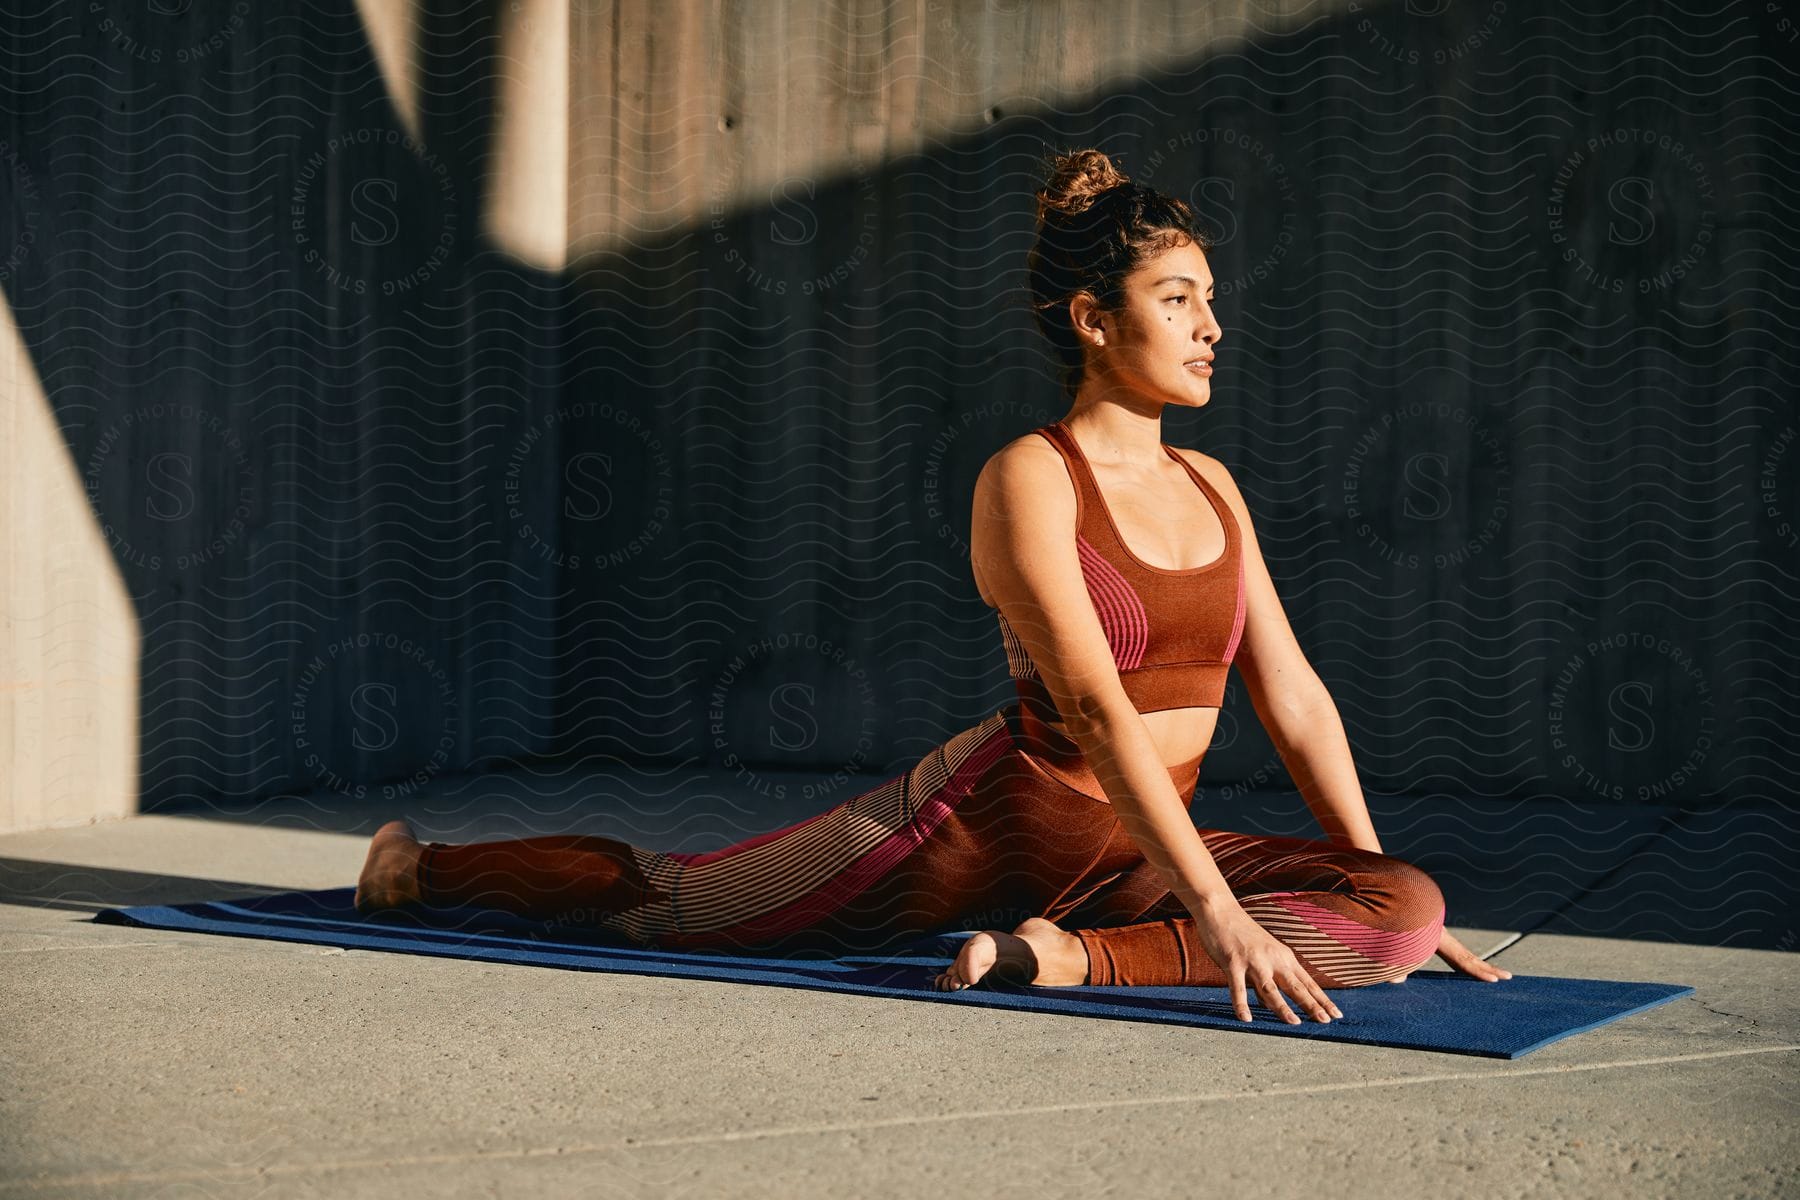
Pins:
<point x="1173" y="632"/>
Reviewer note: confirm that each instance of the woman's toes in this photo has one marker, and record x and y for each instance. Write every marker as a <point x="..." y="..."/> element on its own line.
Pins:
<point x="949" y="981"/>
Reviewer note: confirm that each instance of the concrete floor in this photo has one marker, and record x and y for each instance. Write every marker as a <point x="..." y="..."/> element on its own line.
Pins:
<point x="149" y="1063"/>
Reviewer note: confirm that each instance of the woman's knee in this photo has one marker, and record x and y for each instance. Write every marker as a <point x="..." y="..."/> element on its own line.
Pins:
<point x="1415" y="906"/>
<point x="1405" y="924"/>
<point x="1413" y="897"/>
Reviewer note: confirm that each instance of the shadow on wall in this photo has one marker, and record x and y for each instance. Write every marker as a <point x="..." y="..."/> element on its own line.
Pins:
<point x="1501" y="381"/>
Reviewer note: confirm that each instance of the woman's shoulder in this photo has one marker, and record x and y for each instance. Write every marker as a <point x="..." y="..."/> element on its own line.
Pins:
<point x="1024" y="487"/>
<point x="1203" y="462"/>
<point x="1211" y="469"/>
<point x="1028" y="463"/>
<point x="1030" y="443"/>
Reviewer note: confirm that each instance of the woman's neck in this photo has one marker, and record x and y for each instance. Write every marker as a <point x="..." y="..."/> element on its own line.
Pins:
<point x="1112" y="433"/>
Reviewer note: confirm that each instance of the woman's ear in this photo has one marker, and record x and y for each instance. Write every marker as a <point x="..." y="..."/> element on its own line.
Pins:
<point x="1085" y="316"/>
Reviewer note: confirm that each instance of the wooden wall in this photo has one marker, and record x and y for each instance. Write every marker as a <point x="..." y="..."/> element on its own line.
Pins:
<point x="679" y="109"/>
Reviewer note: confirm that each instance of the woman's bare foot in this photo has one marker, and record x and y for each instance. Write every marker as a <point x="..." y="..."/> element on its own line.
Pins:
<point x="1037" y="952"/>
<point x="390" y="874"/>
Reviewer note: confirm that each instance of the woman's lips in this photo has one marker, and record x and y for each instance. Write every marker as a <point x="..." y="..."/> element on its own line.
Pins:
<point x="1200" y="368"/>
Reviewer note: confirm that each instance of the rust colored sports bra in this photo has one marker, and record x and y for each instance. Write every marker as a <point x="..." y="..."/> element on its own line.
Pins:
<point x="1173" y="632"/>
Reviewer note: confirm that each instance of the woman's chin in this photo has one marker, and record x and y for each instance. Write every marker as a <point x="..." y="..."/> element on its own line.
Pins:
<point x="1191" y="394"/>
<point x="1197" y="392"/>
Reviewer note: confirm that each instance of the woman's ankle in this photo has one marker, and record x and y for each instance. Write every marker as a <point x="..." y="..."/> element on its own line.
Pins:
<point x="416" y="876"/>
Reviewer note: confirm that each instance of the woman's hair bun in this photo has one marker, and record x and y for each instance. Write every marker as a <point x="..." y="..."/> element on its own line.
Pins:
<point x="1076" y="180"/>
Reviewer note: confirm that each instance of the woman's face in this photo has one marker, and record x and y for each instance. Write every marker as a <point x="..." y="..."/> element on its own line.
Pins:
<point x="1165" y="323"/>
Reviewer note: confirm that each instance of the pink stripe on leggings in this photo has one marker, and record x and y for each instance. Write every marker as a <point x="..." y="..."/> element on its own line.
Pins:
<point x="1394" y="948"/>
<point x="843" y="887"/>
<point x="761" y="839"/>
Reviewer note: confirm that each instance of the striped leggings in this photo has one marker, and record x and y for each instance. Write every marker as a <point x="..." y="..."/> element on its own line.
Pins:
<point x="990" y="828"/>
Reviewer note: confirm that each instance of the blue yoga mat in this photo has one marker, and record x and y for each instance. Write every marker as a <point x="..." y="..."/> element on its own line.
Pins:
<point x="1432" y="1010"/>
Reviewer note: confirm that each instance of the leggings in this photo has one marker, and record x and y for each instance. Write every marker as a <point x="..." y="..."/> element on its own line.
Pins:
<point x="1003" y="822"/>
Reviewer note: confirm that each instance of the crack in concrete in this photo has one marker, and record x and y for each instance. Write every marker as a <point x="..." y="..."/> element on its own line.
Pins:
<point x="1722" y="1013"/>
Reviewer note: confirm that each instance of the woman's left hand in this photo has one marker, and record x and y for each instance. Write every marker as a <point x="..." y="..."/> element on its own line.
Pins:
<point x="1465" y="960"/>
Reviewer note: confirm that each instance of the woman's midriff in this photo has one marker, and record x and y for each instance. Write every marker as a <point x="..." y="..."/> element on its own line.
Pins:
<point x="1179" y="733"/>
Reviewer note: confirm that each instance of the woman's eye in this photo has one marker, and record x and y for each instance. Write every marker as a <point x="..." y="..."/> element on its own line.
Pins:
<point x="1183" y="299"/>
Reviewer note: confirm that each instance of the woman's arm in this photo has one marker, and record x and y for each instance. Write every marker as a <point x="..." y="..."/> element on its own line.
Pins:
<point x="1288" y="695"/>
<point x="1023" y="537"/>
<point x="1316" y="752"/>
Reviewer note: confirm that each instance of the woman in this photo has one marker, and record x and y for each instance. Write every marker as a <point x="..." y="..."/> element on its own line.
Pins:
<point x="1127" y="580"/>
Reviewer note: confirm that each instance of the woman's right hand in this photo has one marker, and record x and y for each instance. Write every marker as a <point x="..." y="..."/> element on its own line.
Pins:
<point x="1248" y="953"/>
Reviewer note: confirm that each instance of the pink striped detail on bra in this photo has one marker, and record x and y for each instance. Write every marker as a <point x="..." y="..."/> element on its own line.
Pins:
<point x="1117" y="604"/>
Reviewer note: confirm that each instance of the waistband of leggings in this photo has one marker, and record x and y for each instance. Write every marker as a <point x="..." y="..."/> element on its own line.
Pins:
<point x="1061" y="757"/>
